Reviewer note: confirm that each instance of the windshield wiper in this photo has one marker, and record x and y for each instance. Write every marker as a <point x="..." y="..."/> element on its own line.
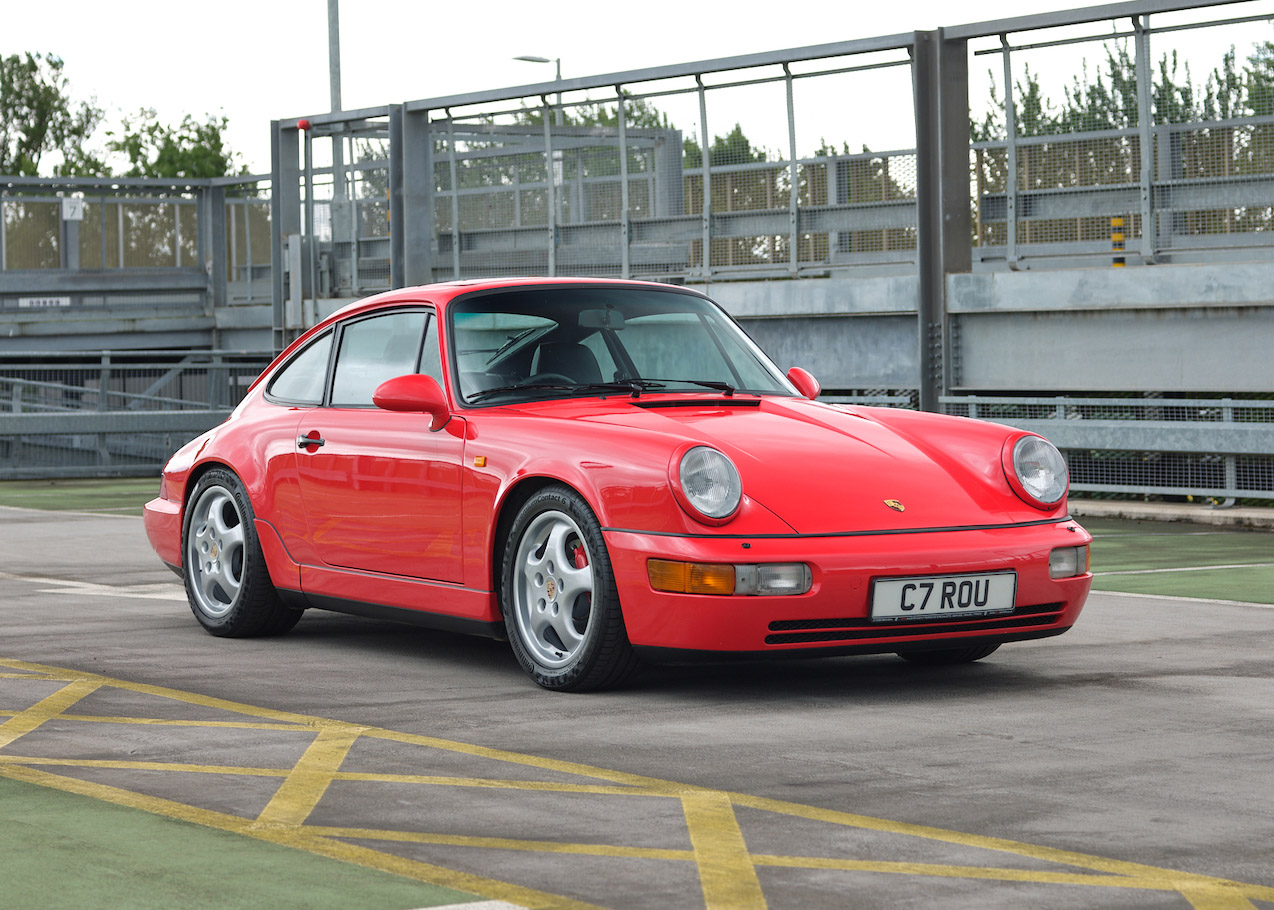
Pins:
<point x="633" y="386"/>
<point x="724" y="387"/>
<point x="512" y="340"/>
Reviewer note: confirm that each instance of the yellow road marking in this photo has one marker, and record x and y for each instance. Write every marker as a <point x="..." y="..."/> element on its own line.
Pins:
<point x="727" y="870"/>
<point x="506" y="843"/>
<point x="23" y="722"/>
<point x="299" y="838"/>
<point x="305" y="785"/>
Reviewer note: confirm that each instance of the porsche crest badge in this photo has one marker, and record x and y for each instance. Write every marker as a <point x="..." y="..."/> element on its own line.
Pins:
<point x="895" y="505"/>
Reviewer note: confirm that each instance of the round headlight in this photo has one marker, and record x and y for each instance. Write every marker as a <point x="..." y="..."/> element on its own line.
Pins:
<point x="710" y="483"/>
<point x="1040" y="469"/>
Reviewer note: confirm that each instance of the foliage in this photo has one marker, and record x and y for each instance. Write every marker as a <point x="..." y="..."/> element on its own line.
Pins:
<point x="188" y="150"/>
<point x="1106" y="102"/>
<point x="37" y="117"/>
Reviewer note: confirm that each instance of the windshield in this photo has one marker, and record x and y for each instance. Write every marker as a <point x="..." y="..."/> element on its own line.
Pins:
<point x="558" y="342"/>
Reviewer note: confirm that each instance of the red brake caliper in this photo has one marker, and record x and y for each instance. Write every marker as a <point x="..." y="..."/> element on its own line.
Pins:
<point x="579" y="557"/>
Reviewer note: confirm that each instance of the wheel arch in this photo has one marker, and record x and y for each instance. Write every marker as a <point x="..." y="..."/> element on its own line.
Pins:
<point x="280" y="565"/>
<point x="507" y="510"/>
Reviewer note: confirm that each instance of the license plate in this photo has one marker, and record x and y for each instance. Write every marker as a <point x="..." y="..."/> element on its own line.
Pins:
<point x="939" y="597"/>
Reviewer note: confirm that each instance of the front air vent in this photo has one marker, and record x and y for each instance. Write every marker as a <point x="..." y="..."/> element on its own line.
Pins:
<point x="804" y="631"/>
<point x="698" y="403"/>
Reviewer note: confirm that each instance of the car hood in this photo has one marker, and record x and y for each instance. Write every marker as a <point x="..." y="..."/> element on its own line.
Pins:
<point x="827" y="470"/>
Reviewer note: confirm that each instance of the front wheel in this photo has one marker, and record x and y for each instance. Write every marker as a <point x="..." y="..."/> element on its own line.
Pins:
<point x="945" y="657"/>
<point x="558" y="596"/>
<point x="227" y="582"/>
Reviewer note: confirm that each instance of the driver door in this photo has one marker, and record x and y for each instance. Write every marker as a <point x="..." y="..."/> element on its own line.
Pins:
<point x="382" y="493"/>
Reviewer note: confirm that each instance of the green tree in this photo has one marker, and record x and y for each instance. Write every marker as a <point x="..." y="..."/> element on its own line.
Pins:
<point x="37" y="117"/>
<point x="188" y="150"/>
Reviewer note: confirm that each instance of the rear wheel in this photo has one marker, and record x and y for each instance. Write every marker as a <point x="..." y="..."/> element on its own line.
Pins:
<point x="945" y="657"/>
<point x="227" y="582"/>
<point x="558" y="596"/>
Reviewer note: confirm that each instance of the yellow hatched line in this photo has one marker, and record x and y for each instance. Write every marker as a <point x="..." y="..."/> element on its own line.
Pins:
<point x="299" y="838"/>
<point x="168" y="722"/>
<point x="726" y="872"/>
<point x="247" y="771"/>
<point x="23" y="722"/>
<point x="1173" y="880"/>
<point x="134" y="765"/>
<point x="306" y="783"/>
<point x="506" y="843"/>
<point x="709" y="814"/>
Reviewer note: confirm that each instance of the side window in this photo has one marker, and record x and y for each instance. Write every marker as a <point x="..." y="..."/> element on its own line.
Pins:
<point x="301" y="380"/>
<point x="373" y="350"/>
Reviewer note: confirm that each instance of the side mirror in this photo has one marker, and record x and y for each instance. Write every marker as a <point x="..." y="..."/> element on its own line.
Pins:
<point x="805" y="383"/>
<point x="416" y="393"/>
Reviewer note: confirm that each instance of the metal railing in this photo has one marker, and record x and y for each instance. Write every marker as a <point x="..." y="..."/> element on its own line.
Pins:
<point x="77" y="242"/>
<point x="123" y="415"/>
<point x="1221" y="448"/>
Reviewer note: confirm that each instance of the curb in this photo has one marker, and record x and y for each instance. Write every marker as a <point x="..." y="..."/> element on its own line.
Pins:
<point x="1249" y="517"/>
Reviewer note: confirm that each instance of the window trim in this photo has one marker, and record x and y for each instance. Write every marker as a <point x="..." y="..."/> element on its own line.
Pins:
<point x="327" y="372"/>
<point x="337" y="333"/>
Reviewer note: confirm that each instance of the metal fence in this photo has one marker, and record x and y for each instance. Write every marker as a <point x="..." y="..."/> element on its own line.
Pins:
<point x="1161" y="148"/>
<point x="125" y="414"/>
<point x="1222" y="448"/>
<point x="87" y="242"/>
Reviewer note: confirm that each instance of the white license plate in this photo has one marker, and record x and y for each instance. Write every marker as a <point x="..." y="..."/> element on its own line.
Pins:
<point x="939" y="597"/>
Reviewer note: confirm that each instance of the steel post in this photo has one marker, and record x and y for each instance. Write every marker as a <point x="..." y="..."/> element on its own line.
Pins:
<point x="940" y="80"/>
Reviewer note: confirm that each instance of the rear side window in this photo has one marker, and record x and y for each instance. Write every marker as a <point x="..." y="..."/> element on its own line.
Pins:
<point x="301" y="380"/>
<point x="373" y="350"/>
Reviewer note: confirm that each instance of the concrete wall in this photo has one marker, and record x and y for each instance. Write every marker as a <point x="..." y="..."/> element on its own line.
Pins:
<point x="1169" y="328"/>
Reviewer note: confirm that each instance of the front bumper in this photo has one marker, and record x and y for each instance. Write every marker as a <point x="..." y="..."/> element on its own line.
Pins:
<point x="835" y="614"/>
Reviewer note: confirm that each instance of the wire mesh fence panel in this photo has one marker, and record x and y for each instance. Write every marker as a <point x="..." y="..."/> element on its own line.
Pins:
<point x="125" y="414"/>
<point x="1150" y="445"/>
<point x="31" y="234"/>
<point x="248" y="257"/>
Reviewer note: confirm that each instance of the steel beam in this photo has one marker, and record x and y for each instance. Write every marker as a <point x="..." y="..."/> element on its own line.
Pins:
<point x="285" y="217"/>
<point x="940" y="85"/>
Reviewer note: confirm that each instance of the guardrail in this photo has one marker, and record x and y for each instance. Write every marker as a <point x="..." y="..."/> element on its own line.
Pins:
<point x="124" y="414"/>
<point x="1206" y="448"/>
<point x="1209" y="448"/>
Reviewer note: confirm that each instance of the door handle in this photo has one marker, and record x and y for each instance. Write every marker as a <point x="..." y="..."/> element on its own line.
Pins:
<point x="306" y="441"/>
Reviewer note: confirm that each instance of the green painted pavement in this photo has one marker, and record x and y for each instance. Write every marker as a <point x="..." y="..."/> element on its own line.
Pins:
<point x="1178" y="559"/>
<point x="123" y="496"/>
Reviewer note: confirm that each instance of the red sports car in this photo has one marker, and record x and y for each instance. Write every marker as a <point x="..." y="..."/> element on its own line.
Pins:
<point x="605" y="470"/>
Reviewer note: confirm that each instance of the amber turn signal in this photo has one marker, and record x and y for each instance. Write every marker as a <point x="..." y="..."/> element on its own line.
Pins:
<point x="690" y="577"/>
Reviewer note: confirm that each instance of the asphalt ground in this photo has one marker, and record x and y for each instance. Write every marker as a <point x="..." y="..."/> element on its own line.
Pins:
<point x="354" y="763"/>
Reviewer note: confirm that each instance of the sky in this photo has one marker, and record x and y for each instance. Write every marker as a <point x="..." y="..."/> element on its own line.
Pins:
<point x="258" y="61"/>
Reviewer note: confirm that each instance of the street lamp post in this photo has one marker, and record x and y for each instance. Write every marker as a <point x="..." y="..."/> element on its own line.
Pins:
<point x="557" y="61"/>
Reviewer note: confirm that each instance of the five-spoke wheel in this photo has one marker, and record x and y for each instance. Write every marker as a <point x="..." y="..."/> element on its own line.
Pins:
<point x="227" y="582"/>
<point x="558" y="596"/>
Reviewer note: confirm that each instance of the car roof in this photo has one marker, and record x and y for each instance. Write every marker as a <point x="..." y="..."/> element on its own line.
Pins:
<point x="442" y="293"/>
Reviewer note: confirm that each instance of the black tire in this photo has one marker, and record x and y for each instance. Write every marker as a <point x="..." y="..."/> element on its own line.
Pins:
<point x="227" y="582"/>
<point x="946" y="657"/>
<point x="558" y="596"/>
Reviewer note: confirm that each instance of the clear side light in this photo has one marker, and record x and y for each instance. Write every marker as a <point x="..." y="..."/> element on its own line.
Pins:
<point x="773" y="578"/>
<point x="767" y="579"/>
<point x="1067" y="562"/>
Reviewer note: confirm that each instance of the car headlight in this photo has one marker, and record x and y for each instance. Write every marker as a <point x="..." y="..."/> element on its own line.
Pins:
<point x="1037" y="471"/>
<point x="708" y="485"/>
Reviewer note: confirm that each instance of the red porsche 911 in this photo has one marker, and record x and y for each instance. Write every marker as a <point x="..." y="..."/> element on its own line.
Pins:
<point x="602" y="471"/>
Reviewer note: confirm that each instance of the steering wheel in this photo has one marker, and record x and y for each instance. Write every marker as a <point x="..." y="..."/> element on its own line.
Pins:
<point x="547" y="378"/>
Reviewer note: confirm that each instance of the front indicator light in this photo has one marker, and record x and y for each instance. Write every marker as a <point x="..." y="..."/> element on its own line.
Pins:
<point x="766" y="579"/>
<point x="1067" y="562"/>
